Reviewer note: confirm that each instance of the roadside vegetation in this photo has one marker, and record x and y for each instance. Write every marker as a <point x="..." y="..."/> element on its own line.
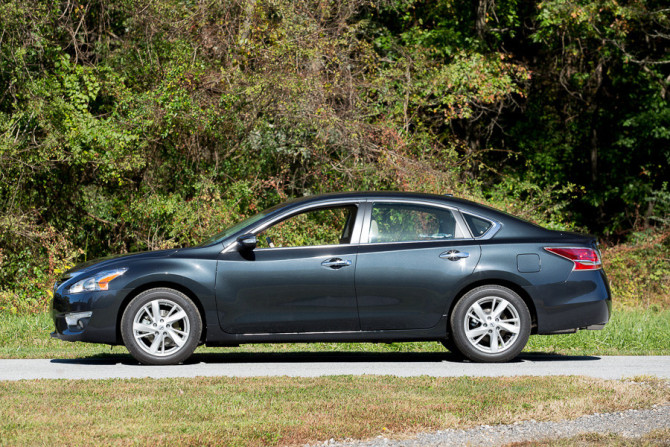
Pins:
<point x="128" y="126"/>
<point x="293" y="411"/>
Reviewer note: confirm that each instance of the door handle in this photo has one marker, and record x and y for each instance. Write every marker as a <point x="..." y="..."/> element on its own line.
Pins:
<point x="336" y="263"/>
<point x="454" y="255"/>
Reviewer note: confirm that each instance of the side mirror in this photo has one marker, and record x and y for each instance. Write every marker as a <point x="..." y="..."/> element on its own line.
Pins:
<point x="247" y="241"/>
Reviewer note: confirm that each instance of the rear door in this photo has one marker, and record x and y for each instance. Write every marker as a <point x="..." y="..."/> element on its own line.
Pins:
<point x="412" y="260"/>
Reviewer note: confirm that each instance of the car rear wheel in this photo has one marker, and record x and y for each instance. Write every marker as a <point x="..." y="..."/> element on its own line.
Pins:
<point x="490" y="324"/>
<point x="161" y="327"/>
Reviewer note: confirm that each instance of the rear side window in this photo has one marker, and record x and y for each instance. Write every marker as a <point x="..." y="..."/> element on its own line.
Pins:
<point x="403" y="223"/>
<point x="477" y="225"/>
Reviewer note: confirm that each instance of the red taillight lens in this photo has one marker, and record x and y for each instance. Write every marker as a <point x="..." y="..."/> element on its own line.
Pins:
<point x="584" y="258"/>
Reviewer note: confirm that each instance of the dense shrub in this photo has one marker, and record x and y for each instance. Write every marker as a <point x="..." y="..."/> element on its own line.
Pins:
<point x="639" y="271"/>
<point x="128" y="125"/>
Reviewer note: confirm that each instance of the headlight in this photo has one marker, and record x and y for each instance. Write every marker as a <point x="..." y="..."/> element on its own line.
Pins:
<point x="98" y="282"/>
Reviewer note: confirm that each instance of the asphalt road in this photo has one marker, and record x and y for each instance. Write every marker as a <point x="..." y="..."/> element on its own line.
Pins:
<point x="325" y="364"/>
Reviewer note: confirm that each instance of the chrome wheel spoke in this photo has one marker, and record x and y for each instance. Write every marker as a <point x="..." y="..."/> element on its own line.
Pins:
<point x="139" y="337"/>
<point x="172" y="311"/>
<point x="498" y="310"/>
<point x="179" y="341"/>
<point x="141" y="327"/>
<point x="155" y="311"/>
<point x="474" y="317"/>
<point x="503" y="344"/>
<point x="493" y="342"/>
<point x="176" y="317"/>
<point x="477" y="309"/>
<point x="155" y="344"/>
<point x="471" y="334"/>
<point x="181" y="333"/>
<point x="509" y="327"/>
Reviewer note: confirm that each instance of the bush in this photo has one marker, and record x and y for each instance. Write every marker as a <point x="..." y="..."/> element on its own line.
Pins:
<point x="639" y="270"/>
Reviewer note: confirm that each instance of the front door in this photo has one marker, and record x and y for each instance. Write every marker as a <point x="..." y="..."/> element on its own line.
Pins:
<point x="300" y="278"/>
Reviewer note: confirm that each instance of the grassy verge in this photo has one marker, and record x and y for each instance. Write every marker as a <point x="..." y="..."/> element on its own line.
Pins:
<point x="281" y="411"/>
<point x="630" y="332"/>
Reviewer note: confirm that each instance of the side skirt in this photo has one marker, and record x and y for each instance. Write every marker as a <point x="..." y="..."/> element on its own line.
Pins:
<point x="437" y="332"/>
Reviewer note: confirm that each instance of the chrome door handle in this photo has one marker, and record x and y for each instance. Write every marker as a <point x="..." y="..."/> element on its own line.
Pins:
<point x="336" y="263"/>
<point x="454" y="255"/>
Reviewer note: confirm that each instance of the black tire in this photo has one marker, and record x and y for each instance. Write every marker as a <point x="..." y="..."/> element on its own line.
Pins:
<point x="168" y="339"/>
<point x="451" y="346"/>
<point x="491" y="340"/>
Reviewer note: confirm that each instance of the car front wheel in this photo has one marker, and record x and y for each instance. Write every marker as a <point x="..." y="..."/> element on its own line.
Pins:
<point x="161" y="326"/>
<point x="490" y="324"/>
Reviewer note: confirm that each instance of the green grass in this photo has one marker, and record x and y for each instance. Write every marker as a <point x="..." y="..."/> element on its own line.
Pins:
<point x="630" y="332"/>
<point x="293" y="411"/>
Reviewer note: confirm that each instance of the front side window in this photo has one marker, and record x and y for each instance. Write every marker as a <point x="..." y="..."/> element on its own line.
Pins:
<point x="322" y="226"/>
<point x="404" y="223"/>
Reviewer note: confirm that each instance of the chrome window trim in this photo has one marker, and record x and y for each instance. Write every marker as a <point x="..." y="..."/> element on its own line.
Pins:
<point x="303" y="247"/>
<point x="361" y="231"/>
<point x="434" y="241"/>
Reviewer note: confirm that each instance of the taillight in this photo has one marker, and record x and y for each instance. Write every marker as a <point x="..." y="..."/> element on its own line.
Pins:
<point x="584" y="258"/>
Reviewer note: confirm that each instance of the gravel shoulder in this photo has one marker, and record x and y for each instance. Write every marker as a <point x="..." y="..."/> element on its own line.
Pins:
<point x="629" y="424"/>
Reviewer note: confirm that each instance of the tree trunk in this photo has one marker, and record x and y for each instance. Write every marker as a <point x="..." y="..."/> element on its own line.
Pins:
<point x="248" y="17"/>
<point x="594" y="155"/>
<point x="483" y="7"/>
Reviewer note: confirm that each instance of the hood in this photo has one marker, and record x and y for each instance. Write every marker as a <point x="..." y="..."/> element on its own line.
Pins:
<point x="94" y="264"/>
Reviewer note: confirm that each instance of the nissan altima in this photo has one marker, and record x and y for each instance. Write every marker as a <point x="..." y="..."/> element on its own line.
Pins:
<point x="346" y="267"/>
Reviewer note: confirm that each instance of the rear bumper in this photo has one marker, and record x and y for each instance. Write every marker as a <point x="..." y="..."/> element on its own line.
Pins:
<point x="584" y="301"/>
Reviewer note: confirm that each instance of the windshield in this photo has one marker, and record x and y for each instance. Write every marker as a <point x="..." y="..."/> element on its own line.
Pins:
<point x="235" y="228"/>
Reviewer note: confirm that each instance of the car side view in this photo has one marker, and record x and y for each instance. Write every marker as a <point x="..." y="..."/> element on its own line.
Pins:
<point x="345" y="267"/>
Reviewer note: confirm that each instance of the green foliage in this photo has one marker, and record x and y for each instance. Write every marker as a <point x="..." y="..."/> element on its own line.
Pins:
<point x="639" y="271"/>
<point x="129" y="126"/>
<point x="602" y="94"/>
<point x="319" y="227"/>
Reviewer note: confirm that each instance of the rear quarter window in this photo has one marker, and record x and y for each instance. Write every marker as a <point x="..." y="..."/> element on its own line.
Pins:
<point x="477" y="225"/>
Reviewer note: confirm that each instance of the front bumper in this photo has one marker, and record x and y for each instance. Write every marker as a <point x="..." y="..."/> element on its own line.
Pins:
<point x="99" y="327"/>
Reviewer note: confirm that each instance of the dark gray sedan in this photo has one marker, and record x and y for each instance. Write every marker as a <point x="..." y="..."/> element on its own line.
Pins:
<point x="349" y="267"/>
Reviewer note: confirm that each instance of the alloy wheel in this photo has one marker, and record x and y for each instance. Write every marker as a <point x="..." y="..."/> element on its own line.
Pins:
<point x="492" y="324"/>
<point x="161" y="327"/>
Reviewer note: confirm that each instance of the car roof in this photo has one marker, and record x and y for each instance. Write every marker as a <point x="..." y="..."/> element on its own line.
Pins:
<point x="373" y="195"/>
<point x="513" y="224"/>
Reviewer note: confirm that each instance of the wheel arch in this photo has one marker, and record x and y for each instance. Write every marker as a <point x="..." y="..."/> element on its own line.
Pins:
<point x="161" y="284"/>
<point x="498" y="282"/>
